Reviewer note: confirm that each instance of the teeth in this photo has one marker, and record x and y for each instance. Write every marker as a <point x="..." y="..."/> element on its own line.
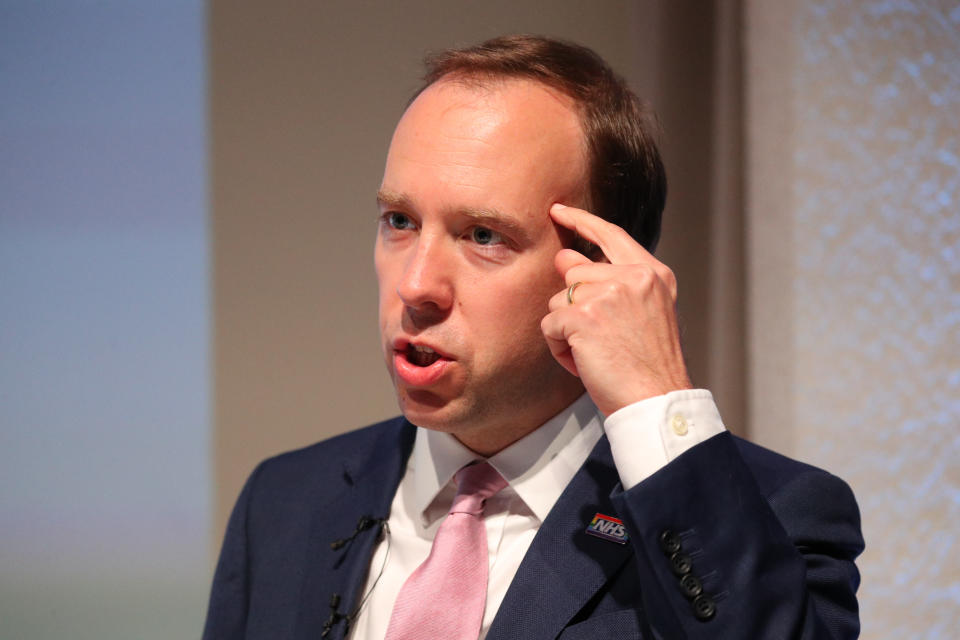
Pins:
<point x="421" y="356"/>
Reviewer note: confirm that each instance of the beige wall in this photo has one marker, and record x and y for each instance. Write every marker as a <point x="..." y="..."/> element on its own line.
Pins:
<point x="303" y="99"/>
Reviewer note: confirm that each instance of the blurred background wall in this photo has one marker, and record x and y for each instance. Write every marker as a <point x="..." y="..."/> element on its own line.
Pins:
<point x="105" y="498"/>
<point x="813" y="222"/>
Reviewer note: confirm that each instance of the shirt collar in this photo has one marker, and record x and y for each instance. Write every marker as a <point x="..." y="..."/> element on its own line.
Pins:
<point x="537" y="467"/>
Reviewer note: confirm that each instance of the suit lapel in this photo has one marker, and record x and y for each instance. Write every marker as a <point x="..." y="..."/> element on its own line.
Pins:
<point x="563" y="569"/>
<point x="370" y="480"/>
<point x="565" y="566"/>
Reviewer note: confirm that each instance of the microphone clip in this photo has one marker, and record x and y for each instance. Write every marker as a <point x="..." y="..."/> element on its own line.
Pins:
<point x="364" y="523"/>
<point x="334" y="617"/>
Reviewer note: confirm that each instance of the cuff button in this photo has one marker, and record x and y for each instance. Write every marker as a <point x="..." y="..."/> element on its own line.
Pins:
<point x="691" y="586"/>
<point x="704" y="607"/>
<point x="679" y="425"/>
<point x="669" y="542"/>
<point x="681" y="564"/>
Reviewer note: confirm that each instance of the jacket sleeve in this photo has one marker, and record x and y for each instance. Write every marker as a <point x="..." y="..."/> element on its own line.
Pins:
<point x="731" y="550"/>
<point x="227" y="611"/>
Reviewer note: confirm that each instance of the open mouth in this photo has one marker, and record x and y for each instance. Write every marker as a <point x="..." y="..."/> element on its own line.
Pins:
<point x="421" y="356"/>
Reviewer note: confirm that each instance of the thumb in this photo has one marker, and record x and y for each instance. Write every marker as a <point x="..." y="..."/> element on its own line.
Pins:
<point x="552" y="328"/>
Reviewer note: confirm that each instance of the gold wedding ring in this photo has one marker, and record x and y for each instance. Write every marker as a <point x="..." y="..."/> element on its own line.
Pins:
<point x="570" y="291"/>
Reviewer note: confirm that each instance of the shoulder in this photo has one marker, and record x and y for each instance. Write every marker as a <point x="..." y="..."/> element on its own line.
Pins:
<point x="348" y="444"/>
<point x="333" y="461"/>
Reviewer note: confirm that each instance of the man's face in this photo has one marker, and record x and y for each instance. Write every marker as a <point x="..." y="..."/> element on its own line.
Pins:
<point x="465" y="257"/>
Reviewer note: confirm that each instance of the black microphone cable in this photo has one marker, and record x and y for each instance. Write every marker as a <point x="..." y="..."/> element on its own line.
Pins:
<point x="335" y="617"/>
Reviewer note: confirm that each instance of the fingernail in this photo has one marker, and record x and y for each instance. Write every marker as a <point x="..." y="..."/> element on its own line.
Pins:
<point x="557" y="205"/>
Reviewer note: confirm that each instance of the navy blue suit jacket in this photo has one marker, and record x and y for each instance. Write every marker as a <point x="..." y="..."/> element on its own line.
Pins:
<point x="771" y="540"/>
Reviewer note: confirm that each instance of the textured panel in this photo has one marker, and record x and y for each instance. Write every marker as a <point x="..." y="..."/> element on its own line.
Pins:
<point x="877" y="293"/>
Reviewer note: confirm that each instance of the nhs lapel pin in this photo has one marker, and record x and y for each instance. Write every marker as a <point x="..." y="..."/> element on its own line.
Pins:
<point x="608" y="528"/>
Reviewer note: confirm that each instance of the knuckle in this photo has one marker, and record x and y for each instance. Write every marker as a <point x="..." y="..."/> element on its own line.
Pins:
<point x="617" y="288"/>
<point x="669" y="279"/>
<point x="548" y="325"/>
<point x="668" y="276"/>
<point x="587" y="310"/>
<point x="643" y="276"/>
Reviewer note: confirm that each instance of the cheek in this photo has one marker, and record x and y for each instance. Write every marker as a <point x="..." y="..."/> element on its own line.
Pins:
<point x="539" y="290"/>
<point x="518" y="311"/>
<point x="387" y="297"/>
<point x="514" y="342"/>
<point x="386" y="272"/>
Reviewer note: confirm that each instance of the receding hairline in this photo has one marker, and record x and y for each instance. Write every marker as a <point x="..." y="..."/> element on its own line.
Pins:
<point x="625" y="181"/>
<point x="492" y="82"/>
<point x="487" y="81"/>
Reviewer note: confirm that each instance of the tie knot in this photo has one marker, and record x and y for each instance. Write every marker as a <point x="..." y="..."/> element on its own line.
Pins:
<point x="476" y="483"/>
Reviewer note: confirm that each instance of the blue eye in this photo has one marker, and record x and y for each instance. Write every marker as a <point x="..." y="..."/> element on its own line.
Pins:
<point x="398" y="221"/>
<point x="484" y="236"/>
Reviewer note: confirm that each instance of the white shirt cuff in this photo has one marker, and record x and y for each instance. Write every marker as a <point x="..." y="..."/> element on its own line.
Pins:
<point x="646" y="435"/>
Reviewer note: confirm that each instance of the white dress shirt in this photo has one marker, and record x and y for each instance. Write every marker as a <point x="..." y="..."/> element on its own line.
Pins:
<point x="644" y="437"/>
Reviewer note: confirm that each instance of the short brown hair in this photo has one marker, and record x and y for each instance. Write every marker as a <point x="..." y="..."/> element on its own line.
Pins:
<point x="627" y="181"/>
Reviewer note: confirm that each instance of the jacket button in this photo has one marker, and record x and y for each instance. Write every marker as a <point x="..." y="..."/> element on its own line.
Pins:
<point x="669" y="542"/>
<point x="704" y="607"/>
<point x="680" y="563"/>
<point x="691" y="586"/>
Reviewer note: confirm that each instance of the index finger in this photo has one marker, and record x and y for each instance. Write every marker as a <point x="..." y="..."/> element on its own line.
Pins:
<point x="615" y="243"/>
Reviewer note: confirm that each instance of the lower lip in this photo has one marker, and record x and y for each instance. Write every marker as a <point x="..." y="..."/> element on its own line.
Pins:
<point x="415" y="376"/>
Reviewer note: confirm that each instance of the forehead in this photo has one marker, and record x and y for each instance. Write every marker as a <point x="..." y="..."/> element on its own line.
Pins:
<point x="511" y="140"/>
<point x="484" y="106"/>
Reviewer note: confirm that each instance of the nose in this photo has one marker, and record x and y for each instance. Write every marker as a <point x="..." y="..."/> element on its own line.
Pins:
<point x="426" y="286"/>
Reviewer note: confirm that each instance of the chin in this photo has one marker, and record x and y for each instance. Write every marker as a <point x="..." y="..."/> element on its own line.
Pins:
<point x="427" y="410"/>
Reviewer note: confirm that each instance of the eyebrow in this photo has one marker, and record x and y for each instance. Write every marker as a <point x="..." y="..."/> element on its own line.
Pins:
<point x="486" y="217"/>
<point x="387" y="198"/>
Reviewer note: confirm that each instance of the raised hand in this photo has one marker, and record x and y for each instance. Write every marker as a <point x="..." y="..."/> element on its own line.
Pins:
<point x="619" y="334"/>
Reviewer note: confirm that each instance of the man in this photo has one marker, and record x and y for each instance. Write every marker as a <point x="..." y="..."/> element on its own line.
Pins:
<point x="523" y="331"/>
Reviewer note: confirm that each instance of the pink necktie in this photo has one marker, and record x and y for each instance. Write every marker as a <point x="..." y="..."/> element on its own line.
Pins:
<point x="445" y="596"/>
